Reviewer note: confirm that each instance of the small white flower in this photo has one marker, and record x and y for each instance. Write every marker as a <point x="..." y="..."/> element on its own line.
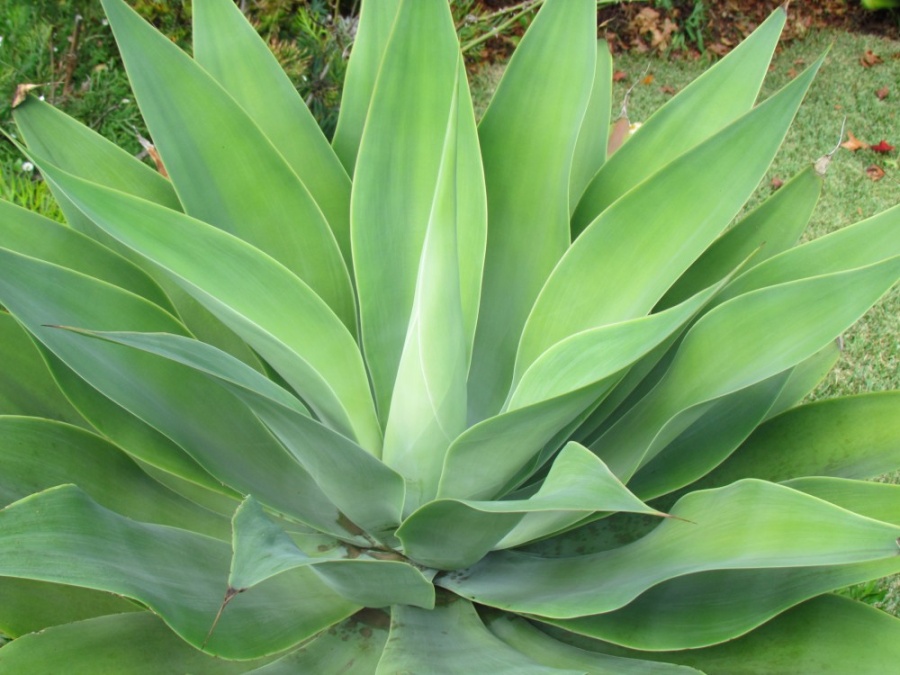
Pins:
<point x="41" y="98"/>
<point x="1" y="40"/>
<point x="126" y="101"/>
<point x="105" y="22"/>
<point x="27" y="167"/>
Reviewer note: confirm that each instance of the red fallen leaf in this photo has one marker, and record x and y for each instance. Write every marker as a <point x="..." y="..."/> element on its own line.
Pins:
<point x="870" y="59"/>
<point x="882" y="93"/>
<point x="883" y="147"/>
<point x="619" y="75"/>
<point x="777" y="183"/>
<point x="853" y="143"/>
<point x="874" y="172"/>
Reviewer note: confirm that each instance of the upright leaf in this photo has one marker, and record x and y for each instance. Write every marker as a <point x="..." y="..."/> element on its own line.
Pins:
<point x="527" y="164"/>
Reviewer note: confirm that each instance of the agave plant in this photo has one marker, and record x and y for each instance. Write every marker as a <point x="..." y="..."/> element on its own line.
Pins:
<point x="437" y="396"/>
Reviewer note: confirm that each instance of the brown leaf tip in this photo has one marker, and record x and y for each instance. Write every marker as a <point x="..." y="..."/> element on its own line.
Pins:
<point x="22" y="93"/>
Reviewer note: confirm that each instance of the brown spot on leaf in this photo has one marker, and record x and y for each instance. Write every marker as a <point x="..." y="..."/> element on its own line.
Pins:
<point x="22" y="93"/>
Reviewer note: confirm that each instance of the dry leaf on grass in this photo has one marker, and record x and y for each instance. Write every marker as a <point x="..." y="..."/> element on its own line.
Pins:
<point x="874" y="172"/>
<point x="883" y="147"/>
<point x="869" y="59"/>
<point x="882" y="93"/>
<point x="853" y="143"/>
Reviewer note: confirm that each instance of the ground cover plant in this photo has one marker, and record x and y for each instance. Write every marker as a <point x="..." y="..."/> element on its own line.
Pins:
<point x="436" y="396"/>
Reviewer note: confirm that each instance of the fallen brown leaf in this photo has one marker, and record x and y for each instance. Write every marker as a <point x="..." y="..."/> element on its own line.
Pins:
<point x="869" y="59"/>
<point x="22" y="93"/>
<point x="619" y="75"/>
<point x="882" y="93"/>
<point x="874" y="172"/>
<point x="668" y="90"/>
<point x="853" y="143"/>
<point x="648" y="79"/>
<point x="777" y="183"/>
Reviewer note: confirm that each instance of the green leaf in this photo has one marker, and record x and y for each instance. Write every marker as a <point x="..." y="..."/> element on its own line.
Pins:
<point x="451" y="639"/>
<point x="258" y="83"/>
<point x="849" y="437"/>
<point x="739" y="343"/>
<point x="214" y="152"/>
<point x="370" y="579"/>
<point x="33" y="235"/>
<point x="709" y="440"/>
<point x="353" y="645"/>
<point x="365" y="490"/>
<point x="772" y="227"/>
<point x="308" y="346"/>
<point x="60" y="535"/>
<point x="590" y="149"/>
<point x="37" y="454"/>
<point x="749" y="524"/>
<point x="408" y="145"/>
<point x="26" y="386"/>
<point x="521" y="635"/>
<point x="211" y="428"/>
<point x="864" y="243"/>
<point x="527" y="164"/>
<point x="126" y="644"/>
<point x="710" y="103"/>
<point x="376" y="21"/>
<point x="30" y="606"/>
<point x="615" y="271"/>
<point x="452" y="534"/>
<point x="829" y="635"/>
<point x="428" y="405"/>
<point x="501" y="446"/>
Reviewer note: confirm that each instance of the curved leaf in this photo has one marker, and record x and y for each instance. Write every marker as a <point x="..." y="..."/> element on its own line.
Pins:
<point x="126" y="644"/>
<point x="60" y="535"/>
<point x="258" y="83"/>
<point x="212" y="151"/>
<point x="715" y="99"/>
<point x="451" y="639"/>
<point x="749" y="524"/>
<point x="308" y="346"/>
<point x="624" y="262"/>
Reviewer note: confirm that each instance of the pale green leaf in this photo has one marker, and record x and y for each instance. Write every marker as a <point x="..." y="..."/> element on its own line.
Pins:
<point x="714" y="100"/>
<point x="258" y="83"/>
<point x="353" y="645"/>
<point x="376" y="21"/>
<point x="365" y="490"/>
<point x="519" y="634"/>
<point x="527" y="164"/>
<point x="308" y="346"/>
<point x="28" y="606"/>
<point x="124" y="644"/>
<point x="617" y="270"/>
<point x="451" y="639"/>
<point x="60" y="535"/>
<point x="772" y="227"/>
<point x="749" y="524"/>
<point x="829" y="635"/>
<point x="37" y="454"/>
<point x="451" y="534"/>
<point x="263" y="550"/>
<point x="404" y="145"/>
<point x="849" y="437"/>
<point x="224" y="169"/>
<point x="739" y="343"/>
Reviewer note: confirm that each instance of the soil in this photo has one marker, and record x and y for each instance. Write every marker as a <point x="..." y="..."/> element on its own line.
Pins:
<point x="717" y="26"/>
